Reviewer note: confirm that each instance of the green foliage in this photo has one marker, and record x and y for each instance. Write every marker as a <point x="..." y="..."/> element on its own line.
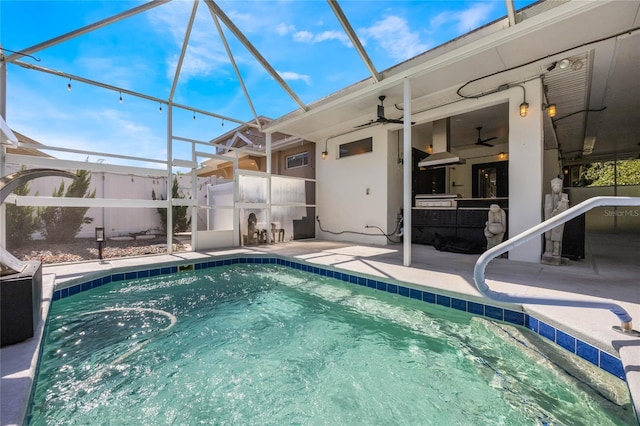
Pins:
<point x="62" y="224"/>
<point x="21" y="221"/>
<point x="179" y="213"/>
<point x="603" y="174"/>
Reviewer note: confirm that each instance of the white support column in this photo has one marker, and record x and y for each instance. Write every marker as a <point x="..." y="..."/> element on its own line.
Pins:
<point x="3" y="149"/>
<point x="268" y="152"/>
<point x="169" y="177"/>
<point x="526" y="140"/>
<point x="237" y="228"/>
<point x="194" y="197"/>
<point x="407" y="202"/>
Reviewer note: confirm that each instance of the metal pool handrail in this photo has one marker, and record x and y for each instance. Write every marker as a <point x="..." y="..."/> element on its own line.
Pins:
<point x="536" y="231"/>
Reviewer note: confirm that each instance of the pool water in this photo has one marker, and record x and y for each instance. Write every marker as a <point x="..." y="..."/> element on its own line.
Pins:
<point x="266" y="344"/>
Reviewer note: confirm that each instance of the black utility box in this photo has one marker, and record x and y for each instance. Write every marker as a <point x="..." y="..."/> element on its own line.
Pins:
<point x="20" y="301"/>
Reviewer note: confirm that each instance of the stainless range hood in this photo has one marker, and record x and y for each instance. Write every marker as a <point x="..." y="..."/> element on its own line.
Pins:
<point x="441" y="159"/>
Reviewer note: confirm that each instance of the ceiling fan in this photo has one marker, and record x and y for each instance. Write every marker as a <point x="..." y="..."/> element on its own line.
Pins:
<point x="381" y="118"/>
<point x="483" y="142"/>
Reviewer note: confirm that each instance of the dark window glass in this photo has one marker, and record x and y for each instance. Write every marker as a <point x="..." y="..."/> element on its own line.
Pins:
<point x="297" y="160"/>
<point x="358" y="147"/>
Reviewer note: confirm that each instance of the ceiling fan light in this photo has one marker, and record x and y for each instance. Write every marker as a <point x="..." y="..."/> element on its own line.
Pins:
<point x="524" y="109"/>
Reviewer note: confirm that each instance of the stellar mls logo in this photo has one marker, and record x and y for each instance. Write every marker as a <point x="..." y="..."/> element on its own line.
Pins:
<point x="622" y="213"/>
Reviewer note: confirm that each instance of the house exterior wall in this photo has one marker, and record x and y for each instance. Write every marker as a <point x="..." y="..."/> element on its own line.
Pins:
<point x="353" y="191"/>
<point x="525" y="170"/>
<point x="279" y="161"/>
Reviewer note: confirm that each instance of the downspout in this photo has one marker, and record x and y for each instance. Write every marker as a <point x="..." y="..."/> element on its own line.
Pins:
<point x="626" y="325"/>
<point x="268" y="151"/>
<point x="407" y="169"/>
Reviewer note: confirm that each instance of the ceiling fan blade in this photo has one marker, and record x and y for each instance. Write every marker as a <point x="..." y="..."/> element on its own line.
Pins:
<point x="489" y="139"/>
<point x="483" y="143"/>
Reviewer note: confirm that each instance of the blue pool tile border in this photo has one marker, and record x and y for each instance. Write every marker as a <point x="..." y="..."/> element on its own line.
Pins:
<point x="584" y="350"/>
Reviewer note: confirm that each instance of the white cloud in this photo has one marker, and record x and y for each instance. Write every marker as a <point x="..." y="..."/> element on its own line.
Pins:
<point x="394" y="35"/>
<point x="465" y="20"/>
<point x="303" y="37"/>
<point x="309" y="37"/>
<point x="291" y="76"/>
<point x="333" y="35"/>
<point x="205" y="53"/>
<point x="284" y="29"/>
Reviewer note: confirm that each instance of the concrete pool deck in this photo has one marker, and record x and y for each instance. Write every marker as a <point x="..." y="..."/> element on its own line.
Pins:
<point x="610" y="272"/>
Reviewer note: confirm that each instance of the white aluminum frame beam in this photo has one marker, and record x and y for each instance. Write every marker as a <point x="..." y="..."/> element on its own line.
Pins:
<point x="86" y="29"/>
<point x="183" y="50"/>
<point x="256" y="54"/>
<point x="235" y="67"/>
<point x="56" y="163"/>
<point x="129" y="92"/>
<point x="346" y="26"/>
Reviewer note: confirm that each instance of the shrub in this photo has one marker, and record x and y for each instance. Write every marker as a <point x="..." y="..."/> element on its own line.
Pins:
<point x="21" y="221"/>
<point x="180" y="219"/>
<point x="62" y="224"/>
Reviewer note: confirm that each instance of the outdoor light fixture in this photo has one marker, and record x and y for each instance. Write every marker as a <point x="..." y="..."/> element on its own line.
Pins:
<point x="100" y="239"/>
<point x="524" y="106"/>
<point x="160" y="108"/>
<point x="222" y="124"/>
<point x="524" y="109"/>
<point x="194" y="115"/>
<point x="325" y="152"/>
<point x="69" y="85"/>
<point x="563" y="64"/>
<point x="120" y="100"/>
<point x="502" y="155"/>
<point x="551" y="110"/>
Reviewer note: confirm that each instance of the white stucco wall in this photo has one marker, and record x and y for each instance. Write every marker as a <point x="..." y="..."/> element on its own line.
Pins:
<point x="353" y="192"/>
<point x="525" y="170"/>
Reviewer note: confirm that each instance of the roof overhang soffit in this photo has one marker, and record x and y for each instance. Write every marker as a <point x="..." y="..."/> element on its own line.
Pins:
<point x="448" y="58"/>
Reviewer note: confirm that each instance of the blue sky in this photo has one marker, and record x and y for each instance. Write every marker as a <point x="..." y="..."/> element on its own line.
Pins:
<point x="302" y="40"/>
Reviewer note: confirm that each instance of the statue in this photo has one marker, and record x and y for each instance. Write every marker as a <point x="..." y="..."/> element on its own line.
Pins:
<point x="554" y="203"/>
<point x="495" y="226"/>
<point x="252" y="231"/>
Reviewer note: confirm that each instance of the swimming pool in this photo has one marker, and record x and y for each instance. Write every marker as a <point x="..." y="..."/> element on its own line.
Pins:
<point x="258" y="344"/>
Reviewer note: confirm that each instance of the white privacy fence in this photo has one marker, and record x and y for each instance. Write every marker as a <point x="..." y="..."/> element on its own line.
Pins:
<point x="291" y="201"/>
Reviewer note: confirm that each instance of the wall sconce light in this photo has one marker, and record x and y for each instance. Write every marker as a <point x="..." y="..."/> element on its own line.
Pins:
<point x="524" y="106"/>
<point x="551" y="110"/>
<point x="502" y="156"/>
<point x="325" y="152"/>
<point x="430" y="149"/>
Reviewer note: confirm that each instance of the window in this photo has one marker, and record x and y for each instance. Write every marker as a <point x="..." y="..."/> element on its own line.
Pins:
<point x="355" y="148"/>
<point x="298" y="160"/>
